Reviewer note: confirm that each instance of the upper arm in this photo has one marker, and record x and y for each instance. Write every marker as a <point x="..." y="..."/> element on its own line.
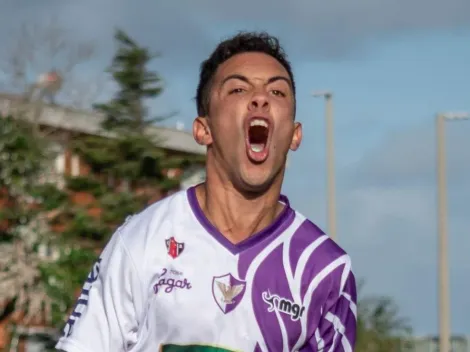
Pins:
<point x="337" y="326"/>
<point x="106" y="314"/>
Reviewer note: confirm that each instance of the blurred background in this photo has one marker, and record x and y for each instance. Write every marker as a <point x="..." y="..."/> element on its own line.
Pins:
<point x="84" y="142"/>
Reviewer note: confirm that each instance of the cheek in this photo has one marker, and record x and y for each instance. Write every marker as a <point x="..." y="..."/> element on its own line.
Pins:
<point x="227" y="122"/>
<point x="284" y="139"/>
<point x="226" y="131"/>
<point x="284" y="109"/>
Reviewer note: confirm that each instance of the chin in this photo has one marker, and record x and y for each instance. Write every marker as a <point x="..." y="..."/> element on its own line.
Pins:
<point x="256" y="179"/>
<point x="256" y="184"/>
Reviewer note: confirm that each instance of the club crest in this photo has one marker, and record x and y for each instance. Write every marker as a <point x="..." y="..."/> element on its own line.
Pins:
<point x="228" y="292"/>
<point x="173" y="247"/>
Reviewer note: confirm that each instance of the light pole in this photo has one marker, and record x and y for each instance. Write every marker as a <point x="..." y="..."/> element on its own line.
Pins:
<point x="443" y="276"/>
<point x="330" y="161"/>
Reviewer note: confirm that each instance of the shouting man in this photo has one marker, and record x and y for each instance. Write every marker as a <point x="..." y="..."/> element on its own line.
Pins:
<point x="227" y="265"/>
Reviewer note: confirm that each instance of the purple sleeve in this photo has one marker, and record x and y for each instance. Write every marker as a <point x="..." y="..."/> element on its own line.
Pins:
<point x="337" y="327"/>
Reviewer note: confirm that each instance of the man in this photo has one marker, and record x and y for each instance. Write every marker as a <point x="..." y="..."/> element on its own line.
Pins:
<point x="227" y="265"/>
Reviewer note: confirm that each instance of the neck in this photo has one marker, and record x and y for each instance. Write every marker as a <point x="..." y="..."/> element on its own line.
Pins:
<point x="237" y="215"/>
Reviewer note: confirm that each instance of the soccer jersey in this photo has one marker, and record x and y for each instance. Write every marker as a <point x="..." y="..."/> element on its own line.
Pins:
<point x="169" y="281"/>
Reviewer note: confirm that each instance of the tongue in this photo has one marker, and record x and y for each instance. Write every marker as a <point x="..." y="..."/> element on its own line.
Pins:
<point x="257" y="147"/>
<point x="257" y="152"/>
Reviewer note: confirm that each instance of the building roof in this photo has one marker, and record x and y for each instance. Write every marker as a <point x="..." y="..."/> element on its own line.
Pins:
<point x="88" y="122"/>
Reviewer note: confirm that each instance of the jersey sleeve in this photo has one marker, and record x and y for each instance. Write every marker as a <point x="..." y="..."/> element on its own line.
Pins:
<point x="337" y="327"/>
<point x="105" y="317"/>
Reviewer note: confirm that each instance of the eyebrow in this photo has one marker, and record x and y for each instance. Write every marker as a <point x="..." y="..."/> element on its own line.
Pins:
<point x="245" y="79"/>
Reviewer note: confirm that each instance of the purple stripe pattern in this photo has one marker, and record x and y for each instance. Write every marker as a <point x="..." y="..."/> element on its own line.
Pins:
<point x="270" y="291"/>
<point x="322" y="322"/>
<point x="341" y="337"/>
<point x="270" y="279"/>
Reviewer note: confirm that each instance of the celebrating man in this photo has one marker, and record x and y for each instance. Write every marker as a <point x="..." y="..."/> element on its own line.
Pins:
<point x="227" y="265"/>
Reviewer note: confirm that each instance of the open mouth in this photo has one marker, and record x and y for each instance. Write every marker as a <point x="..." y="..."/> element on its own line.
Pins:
<point x="258" y="134"/>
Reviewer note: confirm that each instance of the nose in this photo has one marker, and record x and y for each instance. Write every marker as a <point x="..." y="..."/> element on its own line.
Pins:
<point x="259" y="101"/>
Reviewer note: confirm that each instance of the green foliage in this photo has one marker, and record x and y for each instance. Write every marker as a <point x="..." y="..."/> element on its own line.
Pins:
<point x="129" y="156"/>
<point x="128" y="150"/>
<point x="15" y="216"/>
<point x="85" y="227"/>
<point x="117" y="206"/>
<point x="137" y="157"/>
<point x="169" y="184"/>
<point x="63" y="286"/>
<point x="22" y="154"/>
<point x="25" y="199"/>
<point x="49" y="196"/>
<point x="380" y="326"/>
<point x="98" y="152"/>
<point x="127" y="111"/>
<point x="86" y="184"/>
<point x="132" y="152"/>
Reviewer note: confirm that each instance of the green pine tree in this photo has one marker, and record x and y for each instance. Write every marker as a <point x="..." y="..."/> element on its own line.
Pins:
<point x="133" y="153"/>
<point x="126" y="168"/>
<point x="127" y="112"/>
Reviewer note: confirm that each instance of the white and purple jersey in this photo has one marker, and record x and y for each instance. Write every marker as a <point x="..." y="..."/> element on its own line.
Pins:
<point x="170" y="281"/>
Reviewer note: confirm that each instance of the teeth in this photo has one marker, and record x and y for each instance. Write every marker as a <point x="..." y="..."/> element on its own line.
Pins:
<point x="257" y="147"/>
<point x="258" y="122"/>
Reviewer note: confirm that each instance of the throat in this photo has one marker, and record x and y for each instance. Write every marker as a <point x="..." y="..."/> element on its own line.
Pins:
<point x="238" y="219"/>
<point x="237" y="232"/>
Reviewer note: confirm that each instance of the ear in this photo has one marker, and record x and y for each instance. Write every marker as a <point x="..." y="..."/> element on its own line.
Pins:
<point x="296" y="137"/>
<point x="201" y="131"/>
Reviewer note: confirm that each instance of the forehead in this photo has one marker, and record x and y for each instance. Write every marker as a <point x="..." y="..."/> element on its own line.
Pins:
<point x="251" y="65"/>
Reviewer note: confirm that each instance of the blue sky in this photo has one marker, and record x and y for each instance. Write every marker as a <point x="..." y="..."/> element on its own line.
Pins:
<point x="391" y="68"/>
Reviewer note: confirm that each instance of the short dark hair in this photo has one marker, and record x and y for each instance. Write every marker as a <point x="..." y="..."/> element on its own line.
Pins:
<point x="243" y="42"/>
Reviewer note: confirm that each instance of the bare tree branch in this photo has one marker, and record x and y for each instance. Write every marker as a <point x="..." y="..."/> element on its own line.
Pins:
<point x="40" y="47"/>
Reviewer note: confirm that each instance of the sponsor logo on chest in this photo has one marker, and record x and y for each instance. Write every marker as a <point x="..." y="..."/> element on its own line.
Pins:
<point x="170" y="280"/>
<point x="283" y="305"/>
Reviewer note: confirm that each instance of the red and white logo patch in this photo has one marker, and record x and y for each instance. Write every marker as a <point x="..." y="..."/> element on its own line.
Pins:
<point x="173" y="247"/>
